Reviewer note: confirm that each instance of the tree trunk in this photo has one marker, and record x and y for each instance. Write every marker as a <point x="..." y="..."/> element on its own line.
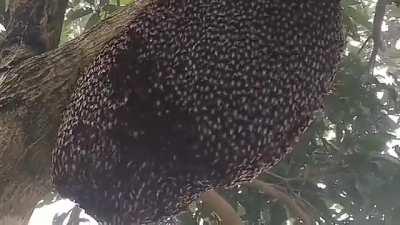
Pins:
<point x="34" y="88"/>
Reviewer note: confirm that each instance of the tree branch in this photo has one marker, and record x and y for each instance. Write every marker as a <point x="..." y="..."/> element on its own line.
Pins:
<point x="380" y="10"/>
<point x="33" y="94"/>
<point x="279" y="193"/>
<point x="224" y="210"/>
<point x="34" y="27"/>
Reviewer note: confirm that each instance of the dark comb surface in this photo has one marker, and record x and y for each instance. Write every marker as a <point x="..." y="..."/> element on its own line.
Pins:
<point x="192" y="95"/>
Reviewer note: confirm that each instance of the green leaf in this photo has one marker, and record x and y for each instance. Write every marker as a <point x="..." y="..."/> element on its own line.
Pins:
<point x="374" y="142"/>
<point x="110" y="8"/>
<point x="360" y="16"/>
<point x="92" y="21"/>
<point x="127" y="2"/>
<point x="91" y="2"/>
<point x="394" y="11"/>
<point x="77" y="13"/>
<point x="2" y="7"/>
<point x="395" y="214"/>
<point x="351" y="28"/>
<point x="187" y="219"/>
<point x="59" y="219"/>
<point x="278" y="214"/>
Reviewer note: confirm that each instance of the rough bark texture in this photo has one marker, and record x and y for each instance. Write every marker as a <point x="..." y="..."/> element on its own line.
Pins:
<point x="33" y="92"/>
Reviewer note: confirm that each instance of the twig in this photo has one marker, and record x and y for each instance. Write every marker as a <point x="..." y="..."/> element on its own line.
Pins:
<point x="294" y="205"/>
<point x="284" y="179"/>
<point x="380" y="10"/>
<point x="276" y="176"/>
<point x="223" y="209"/>
<point x="364" y="44"/>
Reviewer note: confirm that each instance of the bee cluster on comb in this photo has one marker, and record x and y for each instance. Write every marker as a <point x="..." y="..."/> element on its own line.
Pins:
<point x="191" y="96"/>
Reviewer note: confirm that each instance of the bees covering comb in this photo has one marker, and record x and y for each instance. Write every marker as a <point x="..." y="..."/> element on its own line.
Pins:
<point x="193" y="95"/>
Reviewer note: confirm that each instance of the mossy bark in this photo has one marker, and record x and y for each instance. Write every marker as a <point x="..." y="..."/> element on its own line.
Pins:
<point x="35" y="83"/>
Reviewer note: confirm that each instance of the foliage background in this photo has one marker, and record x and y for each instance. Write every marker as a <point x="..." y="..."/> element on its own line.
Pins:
<point x="346" y="170"/>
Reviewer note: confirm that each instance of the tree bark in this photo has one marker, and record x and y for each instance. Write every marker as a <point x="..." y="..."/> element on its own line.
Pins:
<point x="34" y="90"/>
<point x="224" y="210"/>
<point x="303" y="216"/>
